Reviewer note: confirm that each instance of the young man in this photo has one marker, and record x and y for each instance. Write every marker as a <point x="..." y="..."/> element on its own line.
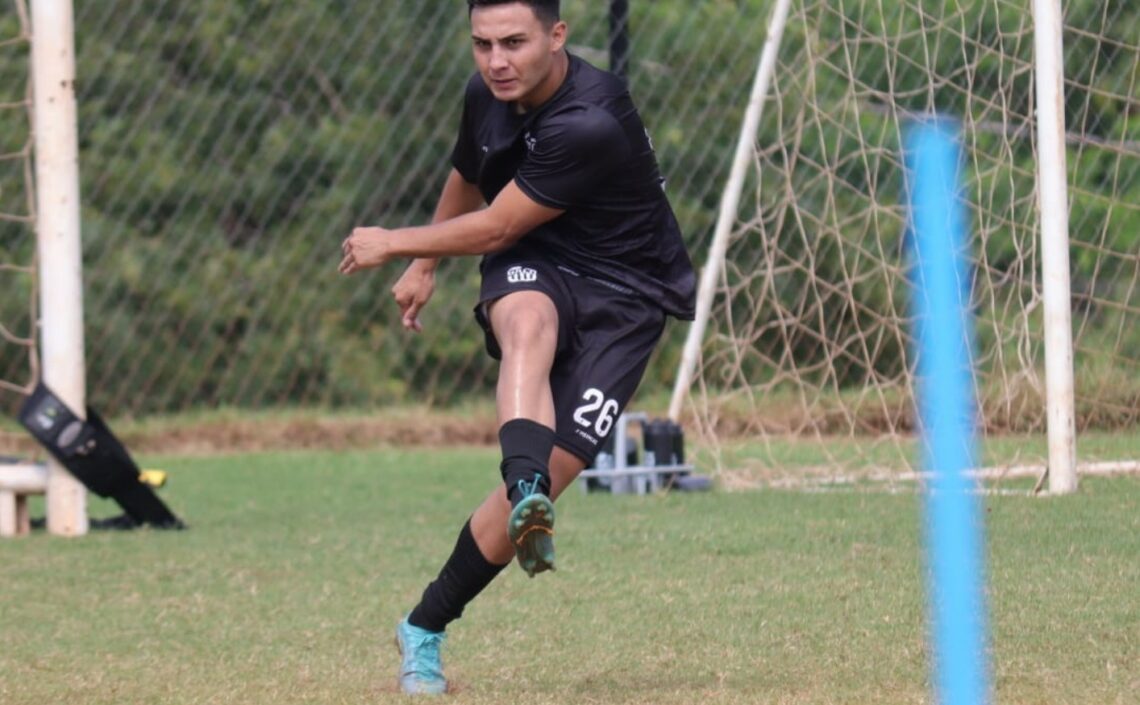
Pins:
<point x="583" y="259"/>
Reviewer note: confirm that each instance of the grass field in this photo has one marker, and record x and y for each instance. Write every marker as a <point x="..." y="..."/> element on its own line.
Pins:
<point x="297" y="566"/>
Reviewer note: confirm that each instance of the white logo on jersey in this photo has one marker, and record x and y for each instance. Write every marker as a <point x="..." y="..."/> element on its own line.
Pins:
<point x="531" y="142"/>
<point x="516" y="275"/>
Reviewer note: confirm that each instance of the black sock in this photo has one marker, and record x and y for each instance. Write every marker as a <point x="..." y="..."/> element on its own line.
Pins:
<point x="526" y="448"/>
<point x="464" y="576"/>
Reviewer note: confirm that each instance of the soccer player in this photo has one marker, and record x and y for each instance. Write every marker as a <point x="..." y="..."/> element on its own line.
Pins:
<point x="582" y="262"/>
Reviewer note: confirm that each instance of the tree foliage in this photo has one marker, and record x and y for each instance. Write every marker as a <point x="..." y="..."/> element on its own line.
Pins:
<point x="228" y="146"/>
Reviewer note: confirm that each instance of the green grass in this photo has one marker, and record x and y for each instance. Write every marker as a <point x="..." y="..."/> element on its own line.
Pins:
<point x="297" y="566"/>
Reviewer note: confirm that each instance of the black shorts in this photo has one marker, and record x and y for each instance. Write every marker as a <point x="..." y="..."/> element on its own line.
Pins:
<point x="606" y="334"/>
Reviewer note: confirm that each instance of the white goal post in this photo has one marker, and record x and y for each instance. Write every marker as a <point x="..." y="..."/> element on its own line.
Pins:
<point x="58" y="242"/>
<point x="1053" y="196"/>
<point x="729" y="207"/>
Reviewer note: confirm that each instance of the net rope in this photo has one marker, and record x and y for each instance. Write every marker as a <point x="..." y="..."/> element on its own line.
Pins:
<point x="810" y="335"/>
<point x="18" y="357"/>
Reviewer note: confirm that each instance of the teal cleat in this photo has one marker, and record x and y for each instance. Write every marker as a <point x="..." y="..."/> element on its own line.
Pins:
<point x="531" y="529"/>
<point x="421" y="672"/>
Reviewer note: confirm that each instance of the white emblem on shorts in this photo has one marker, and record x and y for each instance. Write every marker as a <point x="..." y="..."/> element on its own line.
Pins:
<point x="517" y="275"/>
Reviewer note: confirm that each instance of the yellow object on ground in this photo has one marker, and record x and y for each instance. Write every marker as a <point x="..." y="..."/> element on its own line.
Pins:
<point x="154" y="478"/>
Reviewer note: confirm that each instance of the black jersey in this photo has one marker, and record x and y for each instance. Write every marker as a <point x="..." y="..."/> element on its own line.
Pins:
<point x="584" y="151"/>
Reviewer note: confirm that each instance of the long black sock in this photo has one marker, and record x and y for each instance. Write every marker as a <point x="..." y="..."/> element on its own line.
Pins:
<point x="526" y="448"/>
<point x="464" y="576"/>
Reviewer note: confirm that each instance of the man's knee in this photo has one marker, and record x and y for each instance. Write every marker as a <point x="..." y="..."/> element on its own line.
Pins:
<point x="524" y="320"/>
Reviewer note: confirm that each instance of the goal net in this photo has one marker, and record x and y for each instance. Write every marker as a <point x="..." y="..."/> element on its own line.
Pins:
<point x="809" y="336"/>
<point x="18" y="366"/>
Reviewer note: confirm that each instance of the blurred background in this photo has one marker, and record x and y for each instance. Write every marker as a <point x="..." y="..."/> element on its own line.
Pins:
<point x="228" y="146"/>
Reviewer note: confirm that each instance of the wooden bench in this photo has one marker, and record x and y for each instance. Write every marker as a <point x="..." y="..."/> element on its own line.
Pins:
<point x="18" y="481"/>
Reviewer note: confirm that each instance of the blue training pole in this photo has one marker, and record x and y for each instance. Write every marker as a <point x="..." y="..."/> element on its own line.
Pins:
<point x="945" y="387"/>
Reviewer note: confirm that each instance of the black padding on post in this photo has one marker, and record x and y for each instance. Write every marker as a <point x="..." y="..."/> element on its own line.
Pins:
<point x="91" y="453"/>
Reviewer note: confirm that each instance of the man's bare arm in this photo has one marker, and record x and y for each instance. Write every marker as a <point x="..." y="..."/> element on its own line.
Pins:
<point x="458" y="197"/>
<point x="415" y="287"/>
<point x="511" y="215"/>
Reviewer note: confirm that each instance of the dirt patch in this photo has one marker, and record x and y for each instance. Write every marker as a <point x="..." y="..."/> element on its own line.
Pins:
<point x="309" y="432"/>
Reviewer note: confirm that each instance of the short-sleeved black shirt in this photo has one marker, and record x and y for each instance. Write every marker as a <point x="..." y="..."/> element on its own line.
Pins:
<point x="584" y="151"/>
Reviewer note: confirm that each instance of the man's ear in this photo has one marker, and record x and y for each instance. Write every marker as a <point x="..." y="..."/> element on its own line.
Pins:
<point x="558" y="35"/>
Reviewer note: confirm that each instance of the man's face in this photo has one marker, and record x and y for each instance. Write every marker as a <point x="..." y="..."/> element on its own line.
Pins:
<point x="515" y="53"/>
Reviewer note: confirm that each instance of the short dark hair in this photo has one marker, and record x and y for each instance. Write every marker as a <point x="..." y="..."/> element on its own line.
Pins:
<point x="547" y="11"/>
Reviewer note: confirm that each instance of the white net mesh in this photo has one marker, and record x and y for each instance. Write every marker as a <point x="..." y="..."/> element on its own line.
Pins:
<point x="18" y="366"/>
<point x="810" y="333"/>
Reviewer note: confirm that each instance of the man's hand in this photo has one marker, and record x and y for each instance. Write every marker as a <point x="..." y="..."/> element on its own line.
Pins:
<point x="413" y="290"/>
<point x="365" y="248"/>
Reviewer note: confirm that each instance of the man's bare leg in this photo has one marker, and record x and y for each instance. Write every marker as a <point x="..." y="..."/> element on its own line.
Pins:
<point x="526" y="329"/>
<point x="525" y="325"/>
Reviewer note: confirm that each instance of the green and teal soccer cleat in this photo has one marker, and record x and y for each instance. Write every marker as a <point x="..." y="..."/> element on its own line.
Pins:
<point x="421" y="671"/>
<point x="531" y="529"/>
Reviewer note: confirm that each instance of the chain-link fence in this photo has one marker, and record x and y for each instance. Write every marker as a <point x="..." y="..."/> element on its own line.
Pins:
<point x="229" y="146"/>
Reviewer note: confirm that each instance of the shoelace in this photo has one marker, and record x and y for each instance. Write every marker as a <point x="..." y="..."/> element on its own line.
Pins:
<point x="426" y="650"/>
<point x="527" y="489"/>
